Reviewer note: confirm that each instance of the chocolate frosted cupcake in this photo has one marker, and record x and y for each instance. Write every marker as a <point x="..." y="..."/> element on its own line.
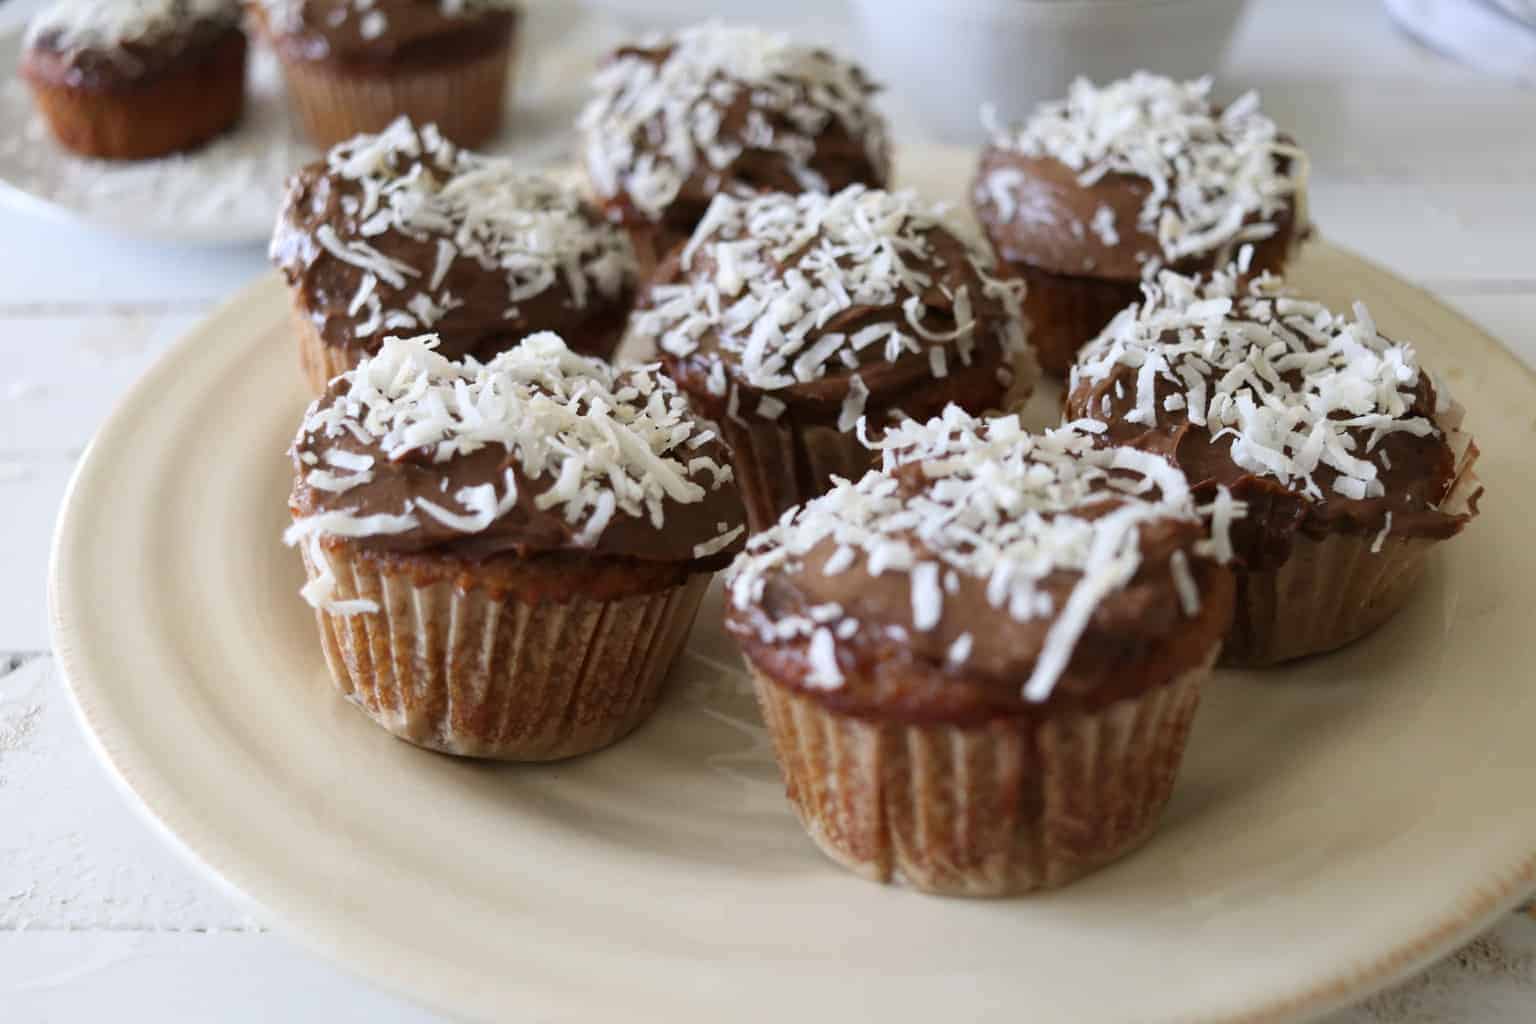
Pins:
<point x="1099" y="191"/>
<point x="353" y="66"/>
<point x="1349" y="458"/>
<point x="505" y="558"/>
<point x="404" y="231"/>
<point x="134" y="79"/>
<point x="979" y="664"/>
<point x="789" y="319"/>
<point x="680" y="119"/>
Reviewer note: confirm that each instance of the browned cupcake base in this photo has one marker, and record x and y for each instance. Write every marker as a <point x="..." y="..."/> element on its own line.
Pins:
<point x="181" y="108"/>
<point x="465" y="99"/>
<point x="498" y="667"/>
<point x="1066" y="311"/>
<point x="784" y="462"/>
<point x="997" y="809"/>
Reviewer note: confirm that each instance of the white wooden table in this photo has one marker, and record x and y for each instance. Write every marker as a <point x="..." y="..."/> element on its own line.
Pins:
<point x="1420" y="165"/>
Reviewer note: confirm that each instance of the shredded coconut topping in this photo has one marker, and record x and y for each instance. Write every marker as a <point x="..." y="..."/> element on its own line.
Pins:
<point x="609" y="442"/>
<point x="1219" y="176"/>
<point x="416" y="183"/>
<point x="992" y="502"/>
<point x="792" y="289"/>
<point x="661" y="109"/>
<point x="1295" y="386"/>
<point x="71" y="26"/>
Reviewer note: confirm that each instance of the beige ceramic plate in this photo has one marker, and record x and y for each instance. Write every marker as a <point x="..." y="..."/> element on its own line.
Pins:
<point x="1337" y="824"/>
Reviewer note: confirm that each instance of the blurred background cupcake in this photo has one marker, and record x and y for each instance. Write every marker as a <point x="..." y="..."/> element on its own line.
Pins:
<point x="355" y="65"/>
<point x="134" y="79"/>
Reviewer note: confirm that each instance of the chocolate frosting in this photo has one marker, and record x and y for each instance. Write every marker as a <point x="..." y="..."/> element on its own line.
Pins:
<point x="947" y="261"/>
<point x="1009" y="528"/>
<point x="772" y="150"/>
<point x="481" y="315"/>
<point x="1136" y="640"/>
<point x="385" y="33"/>
<point x="525" y="528"/>
<point x="1035" y="210"/>
<point x="1416" y="473"/>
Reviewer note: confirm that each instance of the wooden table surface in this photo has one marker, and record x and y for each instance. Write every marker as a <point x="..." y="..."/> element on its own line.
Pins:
<point x="1420" y="165"/>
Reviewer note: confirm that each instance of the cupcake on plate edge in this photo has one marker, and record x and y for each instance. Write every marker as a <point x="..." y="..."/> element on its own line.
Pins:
<point x="505" y="558"/>
<point x="1348" y="455"/>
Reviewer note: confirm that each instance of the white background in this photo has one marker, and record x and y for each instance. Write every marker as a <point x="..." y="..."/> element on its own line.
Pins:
<point x="1420" y="165"/>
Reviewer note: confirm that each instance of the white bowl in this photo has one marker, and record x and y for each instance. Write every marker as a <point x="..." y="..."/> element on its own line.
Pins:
<point x="943" y="59"/>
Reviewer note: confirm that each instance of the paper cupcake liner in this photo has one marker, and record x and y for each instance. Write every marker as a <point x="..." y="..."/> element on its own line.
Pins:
<point x="180" y="110"/>
<point x="1333" y="590"/>
<point x="1065" y="312"/>
<point x="989" y="810"/>
<point x="470" y="672"/>
<point x="779" y="465"/>
<point x="320" y="361"/>
<point x="465" y="100"/>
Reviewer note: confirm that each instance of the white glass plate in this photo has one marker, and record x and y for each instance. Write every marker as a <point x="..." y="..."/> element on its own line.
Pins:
<point x="1337" y="824"/>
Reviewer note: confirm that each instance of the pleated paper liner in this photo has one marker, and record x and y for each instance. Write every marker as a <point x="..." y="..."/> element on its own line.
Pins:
<point x="780" y="464"/>
<point x="466" y="100"/>
<point x="1333" y="590"/>
<point x="996" y="809"/>
<point x="472" y="672"/>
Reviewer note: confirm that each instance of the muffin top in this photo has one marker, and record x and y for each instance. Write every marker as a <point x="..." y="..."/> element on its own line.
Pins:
<point x="404" y="231"/>
<point x="539" y="450"/>
<point x="1317" y="418"/>
<point x="828" y="299"/>
<point x="1143" y="173"/>
<point x="103" y="41"/>
<point x="984" y="570"/>
<point x="386" y="31"/>
<point x="677" y="119"/>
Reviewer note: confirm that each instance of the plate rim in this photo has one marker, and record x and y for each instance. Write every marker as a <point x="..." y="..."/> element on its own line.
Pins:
<point x="359" y="954"/>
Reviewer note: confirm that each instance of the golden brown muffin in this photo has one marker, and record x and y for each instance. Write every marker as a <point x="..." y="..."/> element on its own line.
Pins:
<point x="504" y="559"/>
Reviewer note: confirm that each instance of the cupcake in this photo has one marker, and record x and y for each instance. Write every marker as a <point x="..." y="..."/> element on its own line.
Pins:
<point x="979" y="664"/>
<point x="405" y="231"/>
<point x="135" y="79"/>
<point x="1349" y="457"/>
<point x="505" y="558"/>
<point x="353" y="66"/>
<point x="677" y="120"/>
<point x="788" y="318"/>
<point x="1100" y="191"/>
